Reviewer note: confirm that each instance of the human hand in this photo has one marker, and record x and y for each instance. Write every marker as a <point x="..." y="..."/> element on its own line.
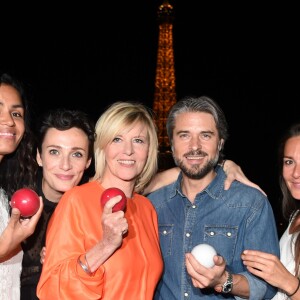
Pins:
<point x="114" y="224"/>
<point x="17" y="230"/>
<point x="268" y="267"/>
<point x="234" y="172"/>
<point x="24" y="227"/>
<point x="43" y="255"/>
<point x="203" y="277"/>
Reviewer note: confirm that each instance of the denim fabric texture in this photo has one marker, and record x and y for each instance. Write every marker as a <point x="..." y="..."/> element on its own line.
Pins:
<point x="230" y="221"/>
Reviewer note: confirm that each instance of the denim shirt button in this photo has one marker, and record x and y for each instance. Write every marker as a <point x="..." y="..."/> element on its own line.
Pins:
<point x="193" y="206"/>
<point x="212" y="233"/>
<point x="186" y="294"/>
<point x="165" y="232"/>
<point x="187" y="234"/>
<point x="228" y="234"/>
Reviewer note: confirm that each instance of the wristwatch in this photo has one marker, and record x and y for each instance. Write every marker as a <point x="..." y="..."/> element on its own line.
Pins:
<point x="227" y="286"/>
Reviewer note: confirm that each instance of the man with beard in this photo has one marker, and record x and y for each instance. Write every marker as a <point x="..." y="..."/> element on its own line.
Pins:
<point x="197" y="209"/>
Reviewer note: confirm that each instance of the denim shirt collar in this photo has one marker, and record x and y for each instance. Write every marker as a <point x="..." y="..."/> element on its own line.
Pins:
<point x="214" y="189"/>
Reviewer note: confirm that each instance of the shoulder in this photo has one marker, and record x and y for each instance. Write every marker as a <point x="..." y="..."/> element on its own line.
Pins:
<point x="144" y="200"/>
<point x="84" y="191"/>
<point x="83" y="188"/>
<point x="239" y="187"/>
<point x="245" y="195"/>
<point x="160" y="197"/>
<point x="161" y="191"/>
<point x="144" y="207"/>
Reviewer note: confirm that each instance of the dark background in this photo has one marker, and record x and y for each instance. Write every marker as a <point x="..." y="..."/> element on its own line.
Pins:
<point x="87" y="56"/>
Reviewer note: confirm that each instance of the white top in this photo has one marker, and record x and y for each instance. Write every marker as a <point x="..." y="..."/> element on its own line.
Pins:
<point x="10" y="270"/>
<point x="287" y="256"/>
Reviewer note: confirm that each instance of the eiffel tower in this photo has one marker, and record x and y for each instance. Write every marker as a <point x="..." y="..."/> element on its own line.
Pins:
<point x="164" y="93"/>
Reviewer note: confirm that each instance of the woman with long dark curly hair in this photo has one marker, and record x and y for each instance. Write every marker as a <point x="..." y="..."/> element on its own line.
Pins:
<point x="17" y="169"/>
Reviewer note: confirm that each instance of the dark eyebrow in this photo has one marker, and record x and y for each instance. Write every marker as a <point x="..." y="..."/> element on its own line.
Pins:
<point x="60" y="147"/>
<point x="203" y="131"/>
<point x="208" y="131"/>
<point x="18" y="106"/>
<point x="14" y="105"/>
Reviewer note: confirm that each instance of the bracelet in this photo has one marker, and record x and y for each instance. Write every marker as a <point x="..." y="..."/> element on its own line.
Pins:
<point x="292" y="294"/>
<point x="87" y="263"/>
<point x="84" y="267"/>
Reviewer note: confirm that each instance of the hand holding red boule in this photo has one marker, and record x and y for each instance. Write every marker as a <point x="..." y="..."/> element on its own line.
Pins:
<point x="27" y="201"/>
<point x="110" y="193"/>
<point x="113" y="192"/>
<point x="114" y="224"/>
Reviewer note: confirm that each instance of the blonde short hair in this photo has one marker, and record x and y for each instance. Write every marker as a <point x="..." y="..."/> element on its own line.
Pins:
<point x="122" y="115"/>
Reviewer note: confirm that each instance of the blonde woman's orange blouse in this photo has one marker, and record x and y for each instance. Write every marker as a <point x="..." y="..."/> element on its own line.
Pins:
<point x="133" y="270"/>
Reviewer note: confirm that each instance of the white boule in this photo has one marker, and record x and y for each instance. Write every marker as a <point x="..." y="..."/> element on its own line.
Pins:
<point x="204" y="253"/>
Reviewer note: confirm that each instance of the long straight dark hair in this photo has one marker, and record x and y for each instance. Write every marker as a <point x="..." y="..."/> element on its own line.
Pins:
<point x="289" y="204"/>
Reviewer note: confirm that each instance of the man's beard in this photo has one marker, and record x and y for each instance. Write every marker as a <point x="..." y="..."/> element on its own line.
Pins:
<point x="195" y="171"/>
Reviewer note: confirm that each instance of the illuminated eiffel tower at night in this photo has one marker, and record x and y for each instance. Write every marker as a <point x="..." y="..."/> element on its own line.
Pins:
<point x="164" y="94"/>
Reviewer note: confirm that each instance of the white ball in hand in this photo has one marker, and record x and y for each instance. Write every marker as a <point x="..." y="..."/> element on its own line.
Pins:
<point x="204" y="253"/>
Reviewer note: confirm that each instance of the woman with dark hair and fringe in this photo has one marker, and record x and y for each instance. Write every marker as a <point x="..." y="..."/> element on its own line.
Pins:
<point x="65" y="141"/>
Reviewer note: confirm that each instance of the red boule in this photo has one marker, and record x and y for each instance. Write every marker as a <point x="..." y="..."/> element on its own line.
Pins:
<point x="27" y="201"/>
<point x="113" y="192"/>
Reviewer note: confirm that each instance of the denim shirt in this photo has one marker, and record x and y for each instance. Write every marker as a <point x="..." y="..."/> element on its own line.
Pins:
<point x="231" y="221"/>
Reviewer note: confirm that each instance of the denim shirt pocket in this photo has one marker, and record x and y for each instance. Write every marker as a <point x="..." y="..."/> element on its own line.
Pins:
<point x="166" y="238"/>
<point x="223" y="239"/>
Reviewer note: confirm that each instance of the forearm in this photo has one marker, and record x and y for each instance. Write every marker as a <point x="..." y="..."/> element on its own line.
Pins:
<point x="234" y="172"/>
<point x="240" y="286"/>
<point x="292" y="288"/>
<point x="17" y="230"/>
<point x="161" y="179"/>
<point x="97" y="255"/>
<point x="7" y="244"/>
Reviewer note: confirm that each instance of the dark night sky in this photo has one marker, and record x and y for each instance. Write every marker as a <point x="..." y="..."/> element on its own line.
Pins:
<point x="246" y="58"/>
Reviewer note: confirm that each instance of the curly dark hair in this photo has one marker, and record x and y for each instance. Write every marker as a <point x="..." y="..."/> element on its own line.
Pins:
<point x="64" y="119"/>
<point x="19" y="168"/>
